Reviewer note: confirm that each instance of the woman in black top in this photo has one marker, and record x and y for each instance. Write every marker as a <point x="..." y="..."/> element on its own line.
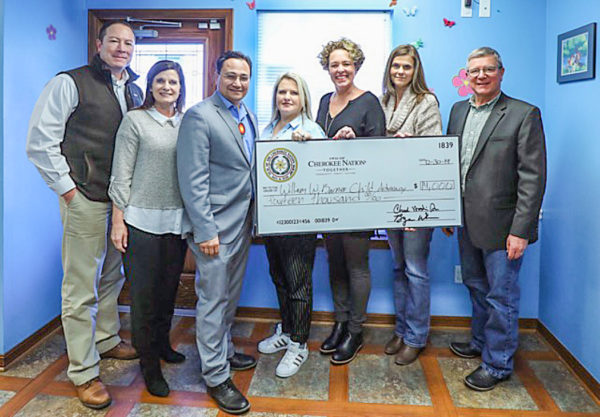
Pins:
<point x="346" y="113"/>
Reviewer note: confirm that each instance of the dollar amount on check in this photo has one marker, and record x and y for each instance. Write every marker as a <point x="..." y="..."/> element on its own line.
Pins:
<point x="357" y="184"/>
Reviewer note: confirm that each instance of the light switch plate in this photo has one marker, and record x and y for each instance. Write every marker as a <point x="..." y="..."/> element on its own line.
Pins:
<point x="485" y="8"/>
<point x="464" y="10"/>
<point x="458" y="274"/>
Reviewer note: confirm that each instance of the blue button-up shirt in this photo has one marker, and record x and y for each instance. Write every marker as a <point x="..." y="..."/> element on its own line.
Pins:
<point x="299" y="123"/>
<point x="240" y="115"/>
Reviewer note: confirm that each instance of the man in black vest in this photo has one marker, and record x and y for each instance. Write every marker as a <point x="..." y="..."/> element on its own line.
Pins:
<point x="70" y="141"/>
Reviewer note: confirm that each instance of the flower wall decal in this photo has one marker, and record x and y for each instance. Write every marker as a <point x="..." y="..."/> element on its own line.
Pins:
<point x="462" y="83"/>
<point x="51" y="31"/>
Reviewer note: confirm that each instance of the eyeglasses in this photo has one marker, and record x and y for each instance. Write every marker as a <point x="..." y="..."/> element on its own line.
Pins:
<point x="474" y="72"/>
<point x="233" y="77"/>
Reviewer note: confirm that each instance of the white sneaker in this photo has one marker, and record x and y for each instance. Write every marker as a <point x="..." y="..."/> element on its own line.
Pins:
<point x="274" y="343"/>
<point x="293" y="359"/>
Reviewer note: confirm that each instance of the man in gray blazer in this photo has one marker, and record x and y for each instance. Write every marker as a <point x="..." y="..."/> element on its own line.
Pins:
<point x="216" y="178"/>
<point x="503" y="177"/>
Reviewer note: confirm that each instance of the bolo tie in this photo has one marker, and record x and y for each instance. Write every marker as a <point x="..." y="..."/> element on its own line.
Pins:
<point x="241" y="128"/>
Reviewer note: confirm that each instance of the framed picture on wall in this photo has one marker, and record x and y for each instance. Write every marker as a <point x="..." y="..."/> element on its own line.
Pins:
<point x="576" y="54"/>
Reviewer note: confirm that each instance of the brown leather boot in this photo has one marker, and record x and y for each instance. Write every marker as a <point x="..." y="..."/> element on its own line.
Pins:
<point x="122" y="351"/>
<point x="407" y="355"/>
<point x="93" y="394"/>
<point x="393" y="346"/>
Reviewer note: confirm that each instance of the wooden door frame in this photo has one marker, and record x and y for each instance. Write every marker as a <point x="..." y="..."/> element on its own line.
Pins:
<point x="96" y="17"/>
<point x="186" y="296"/>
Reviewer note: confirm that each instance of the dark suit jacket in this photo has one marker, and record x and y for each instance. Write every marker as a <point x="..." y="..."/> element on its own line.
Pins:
<point x="505" y="182"/>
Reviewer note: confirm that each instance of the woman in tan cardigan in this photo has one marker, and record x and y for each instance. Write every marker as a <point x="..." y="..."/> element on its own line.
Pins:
<point x="410" y="110"/>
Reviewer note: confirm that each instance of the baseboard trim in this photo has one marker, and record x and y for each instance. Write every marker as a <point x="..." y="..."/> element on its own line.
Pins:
<point x="12" y="355"/>
<point x="372" y="318"/>
<point x="586" y="378"/>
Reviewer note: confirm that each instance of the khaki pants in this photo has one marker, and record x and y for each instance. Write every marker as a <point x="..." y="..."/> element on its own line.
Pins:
<point x="91" y="284"/>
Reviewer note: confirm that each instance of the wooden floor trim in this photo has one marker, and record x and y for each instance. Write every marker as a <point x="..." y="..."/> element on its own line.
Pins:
<point x="120" y="408"/>
<point x="534" y="386"/>
<point x="583" y="374"/>
<point x="254" y="313"/>
<point x="12" y="355"/>
<point x="440" y="396"/>
<point x="482" y="412"/>
<point x="30" y="390"/>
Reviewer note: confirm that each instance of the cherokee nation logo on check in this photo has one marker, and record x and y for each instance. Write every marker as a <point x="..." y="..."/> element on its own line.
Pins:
<point x="280" y="165"/>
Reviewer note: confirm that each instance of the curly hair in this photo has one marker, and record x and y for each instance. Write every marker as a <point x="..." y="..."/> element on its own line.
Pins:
<point x="353" y="49"/>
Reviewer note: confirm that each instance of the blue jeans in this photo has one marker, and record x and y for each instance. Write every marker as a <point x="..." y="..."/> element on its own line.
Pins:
<point x="410" y="251"/>
<point x="492" y="280"/>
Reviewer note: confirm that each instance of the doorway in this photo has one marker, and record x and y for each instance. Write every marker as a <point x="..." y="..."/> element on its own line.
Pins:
<point x="195" y="39"/>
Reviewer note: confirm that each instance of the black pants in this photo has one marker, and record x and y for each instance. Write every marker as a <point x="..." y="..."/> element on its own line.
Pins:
<point x="349" y="277"/>
<point x="153" y="264"/>
<point x="291" y="260"/>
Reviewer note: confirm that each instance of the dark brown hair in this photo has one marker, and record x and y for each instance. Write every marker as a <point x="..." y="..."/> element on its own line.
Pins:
<point x="235" y="55"/>
<point x="156" y="69"/>
<point x="108" y="24"/>
<point x="417" y="84"/>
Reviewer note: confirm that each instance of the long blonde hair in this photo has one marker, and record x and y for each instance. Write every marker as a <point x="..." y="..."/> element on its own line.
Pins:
<point x="303" y="95"/>
<point x="417" y="84"/>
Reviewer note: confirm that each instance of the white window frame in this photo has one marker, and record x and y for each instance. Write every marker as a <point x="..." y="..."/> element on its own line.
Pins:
<point x="317" y="28"/>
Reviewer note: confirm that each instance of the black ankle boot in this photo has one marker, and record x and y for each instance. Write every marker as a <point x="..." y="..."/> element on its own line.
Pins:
<point x="153" y="377"/>
<point x="347" y="349"/>
<point x="169" y="355"/>
<point x="340" y="328"/>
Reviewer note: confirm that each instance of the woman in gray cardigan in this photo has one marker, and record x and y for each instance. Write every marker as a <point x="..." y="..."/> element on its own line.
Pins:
<point x="148" y="217"/>
<point x="410" y="110"/>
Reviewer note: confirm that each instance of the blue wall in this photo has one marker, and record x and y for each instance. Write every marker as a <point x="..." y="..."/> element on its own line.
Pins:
<point x="31" y="230"/>
<point x="570" y="271"/>
<point x="444" y="54"/>
<point x="31" y="221"/>
<point x="2" y="183"/>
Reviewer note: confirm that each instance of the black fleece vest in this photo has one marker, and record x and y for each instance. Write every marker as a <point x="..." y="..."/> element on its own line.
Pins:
<point x="90" y="131"/>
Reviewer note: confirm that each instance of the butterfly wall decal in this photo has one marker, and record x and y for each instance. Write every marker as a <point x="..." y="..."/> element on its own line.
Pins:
<point x="393" y="3"/>
<point x="410" y="11"/>
<point x="251" y="4"/>
<point x="449" y="23"/>
<point x="418" y="44"/>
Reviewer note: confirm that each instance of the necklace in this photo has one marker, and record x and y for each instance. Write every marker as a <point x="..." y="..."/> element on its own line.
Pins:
<point x="328" y="122"/>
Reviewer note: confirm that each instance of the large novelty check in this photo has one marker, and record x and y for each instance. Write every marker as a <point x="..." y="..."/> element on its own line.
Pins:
<point x="358" y="184"/>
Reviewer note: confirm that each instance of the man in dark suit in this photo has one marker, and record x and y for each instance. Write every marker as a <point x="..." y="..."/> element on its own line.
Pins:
<point x="216" y="177"/>
<point x="503" y="177"/>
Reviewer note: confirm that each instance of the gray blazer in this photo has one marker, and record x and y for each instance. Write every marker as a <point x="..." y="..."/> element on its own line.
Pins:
<point x="506" y="180"/>
<point x="215" y="176"/>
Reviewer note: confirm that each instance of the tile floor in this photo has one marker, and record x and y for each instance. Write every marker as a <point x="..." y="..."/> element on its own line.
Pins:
<point x="371" y="385"/>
